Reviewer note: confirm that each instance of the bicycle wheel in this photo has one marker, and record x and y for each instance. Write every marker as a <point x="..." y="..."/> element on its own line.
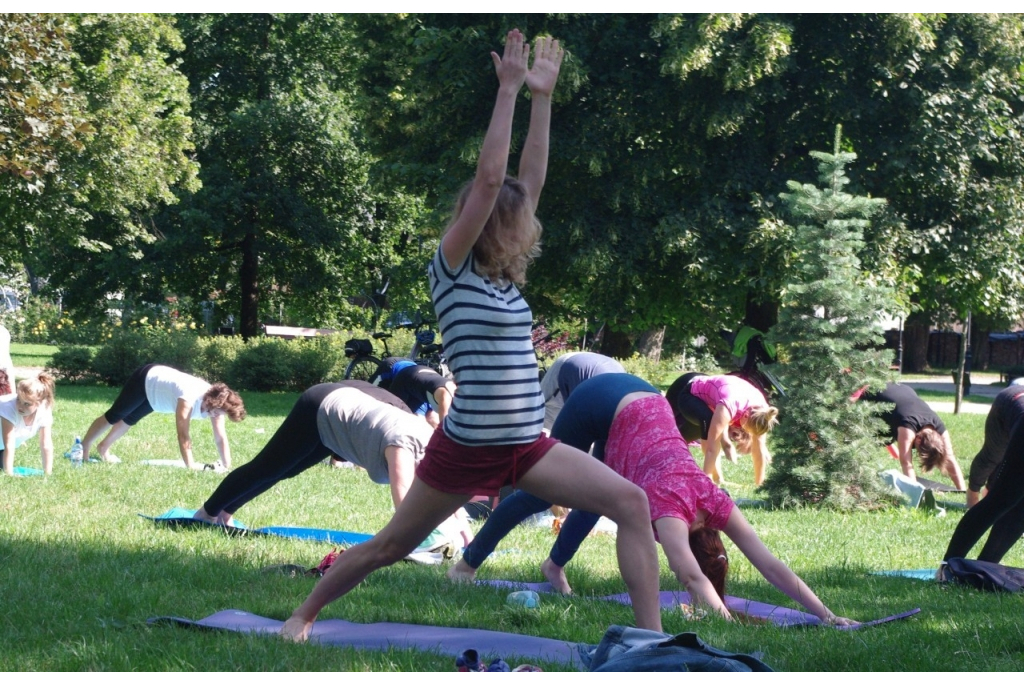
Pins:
<point x="364" y="368"/>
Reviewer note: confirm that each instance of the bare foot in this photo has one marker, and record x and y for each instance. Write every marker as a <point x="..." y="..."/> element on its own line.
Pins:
<point x="556" y="576"/>
<point x="296" y="629"/>
<point x="461" y="572"/>
<point x="201" y="515"/>
<point x="225" y="519"/>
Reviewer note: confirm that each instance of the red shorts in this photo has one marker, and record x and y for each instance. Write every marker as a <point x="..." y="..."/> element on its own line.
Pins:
<point x="455" y="468"/>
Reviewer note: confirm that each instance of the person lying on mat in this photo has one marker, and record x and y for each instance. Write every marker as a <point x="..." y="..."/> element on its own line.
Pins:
<point x="1002" y="508"/>
<point x="567" y="372"/>
<point x="354" y="420"/>
<point x="915" y="425"/>
<point x="157" y="388"/>
<point x="425" y="391"/>
<point x="23" y="414"/>
<point x="493" y="435"/>
<point x="720" y="411"/>
<point x="687" y="509"/>
<point x="1007" y="409"/>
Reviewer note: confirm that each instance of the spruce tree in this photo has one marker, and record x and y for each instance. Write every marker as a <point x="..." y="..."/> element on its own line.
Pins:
<point x="829" y="335"/>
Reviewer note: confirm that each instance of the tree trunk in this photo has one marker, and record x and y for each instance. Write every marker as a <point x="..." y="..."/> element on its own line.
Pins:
<point x="649" y="343"/>
<point x="615" y="344"/>
<point x="249" y="277"/>
<point x="915" y="343"/>
<point x="980" y="349"/>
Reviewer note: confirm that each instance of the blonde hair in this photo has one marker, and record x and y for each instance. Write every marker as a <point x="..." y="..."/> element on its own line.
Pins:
<point x="760" y="420"/>
<point x="38" y="389"/>
<point x="510" y="239"/>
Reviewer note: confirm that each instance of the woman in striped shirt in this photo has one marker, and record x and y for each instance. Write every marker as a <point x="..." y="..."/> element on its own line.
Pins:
<point x="492" y="434"/>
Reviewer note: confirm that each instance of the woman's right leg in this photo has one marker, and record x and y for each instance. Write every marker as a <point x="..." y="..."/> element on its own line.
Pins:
<point x="422" y="510"/>
<point x="573" y="478"/>
<point x="121" y="416"/>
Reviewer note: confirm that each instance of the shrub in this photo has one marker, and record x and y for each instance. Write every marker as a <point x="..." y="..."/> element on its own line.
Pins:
<point x="124" y="352"/>
<point x="73" y="364"/>
<point x="263" y="365"/>
<point x="215" y="355"/>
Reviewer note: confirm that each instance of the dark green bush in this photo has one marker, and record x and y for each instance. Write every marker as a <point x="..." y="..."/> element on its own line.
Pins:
<point x="73" y="364"/>
<point x="124" y="352"/>
<point x="214" y="357"/>
<point x="263" y="365"/>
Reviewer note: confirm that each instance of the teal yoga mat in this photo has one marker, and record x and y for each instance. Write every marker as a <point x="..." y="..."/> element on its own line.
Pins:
<point x="182" y="518"/>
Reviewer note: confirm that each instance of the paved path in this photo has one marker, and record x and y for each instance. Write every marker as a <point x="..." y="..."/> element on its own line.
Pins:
<point x="981" y="387"/>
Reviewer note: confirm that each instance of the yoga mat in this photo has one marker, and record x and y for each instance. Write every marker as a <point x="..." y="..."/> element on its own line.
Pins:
<point x="780" y="616"/>
<point x="936" y="486"/>
<point x="915" y="573"/>
<point x="25" y="471"/>
<point x="452" y="641"/>
<point x="178" y="517"/>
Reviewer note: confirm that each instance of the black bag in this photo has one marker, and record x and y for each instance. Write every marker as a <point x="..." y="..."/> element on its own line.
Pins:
<point x="984" y="575"/>
<point x="358" y="347"/>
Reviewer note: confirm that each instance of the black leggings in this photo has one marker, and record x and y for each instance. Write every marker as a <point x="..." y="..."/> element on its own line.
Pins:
<point x="295" y="447"/>
<point x="131" y="405"/>
<point x="693" y="416"/>
<point x="1002" y="508"/>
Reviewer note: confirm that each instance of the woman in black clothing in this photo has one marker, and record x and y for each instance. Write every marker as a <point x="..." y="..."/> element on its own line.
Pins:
<point x="1007" y="409"/>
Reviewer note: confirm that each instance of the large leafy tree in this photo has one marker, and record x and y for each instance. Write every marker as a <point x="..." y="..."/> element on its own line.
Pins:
<point x="288" y="214"/>
<point x="87" y="222"/>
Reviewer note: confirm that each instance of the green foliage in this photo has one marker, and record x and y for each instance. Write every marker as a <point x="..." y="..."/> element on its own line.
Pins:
<point x="829" y="335"/>
<point x="73" y="364"/>
<point x="273" y="364"/>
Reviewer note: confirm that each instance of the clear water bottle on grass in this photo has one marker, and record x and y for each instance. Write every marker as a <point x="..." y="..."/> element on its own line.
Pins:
<point x="76" y="455"/>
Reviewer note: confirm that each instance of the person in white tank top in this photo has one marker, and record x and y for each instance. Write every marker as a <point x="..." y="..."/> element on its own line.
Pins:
<point x="156" y="388"/>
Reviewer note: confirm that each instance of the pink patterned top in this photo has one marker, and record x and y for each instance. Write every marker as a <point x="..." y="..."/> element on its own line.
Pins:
<point x="645" y="448"/>
<point x="736" y="394"/>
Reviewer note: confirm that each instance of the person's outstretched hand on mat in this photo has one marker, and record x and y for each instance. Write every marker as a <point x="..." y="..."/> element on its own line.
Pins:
<point x="296" y="629"/>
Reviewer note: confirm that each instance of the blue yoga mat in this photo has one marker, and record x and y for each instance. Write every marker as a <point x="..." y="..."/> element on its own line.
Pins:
<point x="759" y="611"/>
<point x="915" y="573"/>
<point x="25" y="472"/>
<point x="178" y="517"/>
<point x="443" y="640"/>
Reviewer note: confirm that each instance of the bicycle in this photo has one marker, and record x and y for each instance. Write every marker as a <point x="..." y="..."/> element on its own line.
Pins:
<point x="366" y="366"/>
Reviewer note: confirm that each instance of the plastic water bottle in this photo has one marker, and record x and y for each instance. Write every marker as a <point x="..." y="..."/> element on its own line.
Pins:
<point x="76" y="452"/>
<point x="524" y="598"/>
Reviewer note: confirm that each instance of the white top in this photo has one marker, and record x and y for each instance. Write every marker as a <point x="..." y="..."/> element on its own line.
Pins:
<point x="164" y="386"/>
<point x="486" y="330"/>
<point x="5" y="354"/>
<point x="9" y="411"/>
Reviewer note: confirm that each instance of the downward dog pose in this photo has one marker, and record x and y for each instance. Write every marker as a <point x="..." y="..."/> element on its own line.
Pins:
<point x="913" y="424"/>
<point x="567" y="372"/>
<point x="425" y="391"/>
<point x="492" y="435"/>
<point x="361" y="423"/>
<point x="24" y="413"/>
<point x="1007" y="409"/>
<point x="156" y="388"/>
<point x="1002" y="509"/>
<point x="721" y="410"/>
<point x="686" y="509"/>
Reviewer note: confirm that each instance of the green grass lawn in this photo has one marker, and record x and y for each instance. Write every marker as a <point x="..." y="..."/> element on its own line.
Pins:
<point x="82" y="571"/>
<point x="25" y="354"/>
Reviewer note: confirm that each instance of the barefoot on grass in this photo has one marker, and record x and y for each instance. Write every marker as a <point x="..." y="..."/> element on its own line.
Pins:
<point x="556" y="576"/>
<point x="461" y="572"/>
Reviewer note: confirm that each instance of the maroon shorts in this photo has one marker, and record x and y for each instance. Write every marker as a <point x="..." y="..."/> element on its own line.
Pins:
<point x="455" y="468"/>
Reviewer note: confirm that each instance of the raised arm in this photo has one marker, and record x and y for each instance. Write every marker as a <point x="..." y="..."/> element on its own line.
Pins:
<point x="541" y="80"/>
<point x="220" y="439"/>
<point x="492" y="166"/>
<point x="776" y="572"/>
<point x="675" y="540"/>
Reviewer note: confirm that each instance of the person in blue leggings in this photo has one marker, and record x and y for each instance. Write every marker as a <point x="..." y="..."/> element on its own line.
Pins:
<point x="579" y="425"/>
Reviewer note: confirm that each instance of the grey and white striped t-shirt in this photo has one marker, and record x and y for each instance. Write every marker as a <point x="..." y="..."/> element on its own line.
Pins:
<point x="486" y="328"/>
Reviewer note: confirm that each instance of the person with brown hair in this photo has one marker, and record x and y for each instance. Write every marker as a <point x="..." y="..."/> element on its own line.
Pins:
<point x="157" y="388"/>
<point x="23" y="414"/>
<point x="914" y="425"/>
<point x="723" y="412"/>
<point x="492" y="435"/>
<point x="643" y="445"/>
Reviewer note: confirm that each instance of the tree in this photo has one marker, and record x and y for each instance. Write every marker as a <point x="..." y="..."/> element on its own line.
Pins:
<point x="133" y="150"/>
<point x="288" y="213"/>
<point x="828" y="334"/>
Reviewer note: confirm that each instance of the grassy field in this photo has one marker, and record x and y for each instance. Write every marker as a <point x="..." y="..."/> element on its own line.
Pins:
<point x="82" y="571"/>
